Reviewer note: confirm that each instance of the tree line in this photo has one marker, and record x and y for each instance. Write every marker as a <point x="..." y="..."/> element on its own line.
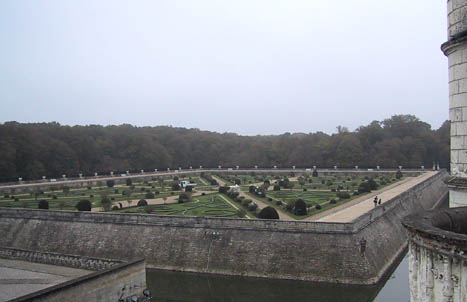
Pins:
<point x="31" y="150"/>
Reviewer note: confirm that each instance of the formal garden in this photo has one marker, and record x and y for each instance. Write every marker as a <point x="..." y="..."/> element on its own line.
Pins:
<point x="296" y="196"/>
<point x="105" y="194"/>
<point x="300" y="197"/>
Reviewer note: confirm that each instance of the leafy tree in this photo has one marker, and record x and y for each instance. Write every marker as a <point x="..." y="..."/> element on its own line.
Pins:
<point x="268" y="213"/>
<point x="43" y="204"/>
<point x="84" y="205"/>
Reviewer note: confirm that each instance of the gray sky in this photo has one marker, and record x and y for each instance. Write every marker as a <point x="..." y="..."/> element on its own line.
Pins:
<point x="244" y="66"/>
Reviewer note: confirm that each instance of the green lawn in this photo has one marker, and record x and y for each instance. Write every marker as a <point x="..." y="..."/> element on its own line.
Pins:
<point x="208" y="205"/>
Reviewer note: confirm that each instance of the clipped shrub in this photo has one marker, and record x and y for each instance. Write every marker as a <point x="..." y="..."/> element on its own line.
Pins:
<point x="305" y="189"/>
<point x="278" y="202"/>
<point x="241" y="213"/>
<point x="246" y="202"/>
<point x="290" y="205"/>
<point x="277" y="188"/>
<point x="364" y="187"/>
<point x="333" y="201"/>
<point x="148" y="209"/>
<point x="343" y="195"/>
<point x="129" y="182"/>
<point x="110" y="183"/>
<point x="318" y="207"/>
<point x="105" y="203"/>
<point x="300" y="207"/>
<point x="149" y="195"/>
<point x="373" y="185"/>
<point x="54" y="196"/>
<point x="142" y="203"/>
<point x="189" y="189"/>
<point x="252" y="189"/>
<point x="268" y="213"/>
<point x="224" y="189"/>
<point x="43" y="204"/>
<point x="252" y="207"/>
<point x="175" y="186"/>
<point x="184" y="197"/>
<point x="399" y="174"/>
<point x="84" y="205"/>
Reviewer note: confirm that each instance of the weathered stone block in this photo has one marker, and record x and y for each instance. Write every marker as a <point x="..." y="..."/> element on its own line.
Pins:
<point x="458" y="100"/>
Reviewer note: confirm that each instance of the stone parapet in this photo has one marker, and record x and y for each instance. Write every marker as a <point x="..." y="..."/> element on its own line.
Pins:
<point x="438" y="255"/>
<point x="86" y="263"/>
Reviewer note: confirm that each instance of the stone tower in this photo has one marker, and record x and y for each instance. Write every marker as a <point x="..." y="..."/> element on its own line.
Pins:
<point x="456" y="51"/>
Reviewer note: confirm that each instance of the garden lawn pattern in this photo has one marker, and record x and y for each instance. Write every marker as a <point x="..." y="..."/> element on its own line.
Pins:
<point x="207" y="205"/>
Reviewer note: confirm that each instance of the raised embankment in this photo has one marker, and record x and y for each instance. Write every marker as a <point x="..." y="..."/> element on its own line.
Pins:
<point x="359" y="252"/>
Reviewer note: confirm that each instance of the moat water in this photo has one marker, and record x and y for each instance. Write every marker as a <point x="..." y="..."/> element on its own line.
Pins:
<point x="173" y="286"/>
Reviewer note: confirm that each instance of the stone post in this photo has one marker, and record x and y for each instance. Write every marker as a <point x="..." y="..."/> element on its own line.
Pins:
<point x="456" y="51"/>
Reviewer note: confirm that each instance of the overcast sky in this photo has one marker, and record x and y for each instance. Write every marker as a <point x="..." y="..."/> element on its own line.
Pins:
<point x="244" y="66"/>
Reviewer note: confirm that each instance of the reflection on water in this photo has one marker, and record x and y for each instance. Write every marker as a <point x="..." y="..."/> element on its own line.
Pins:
<point x="172" y="286"/>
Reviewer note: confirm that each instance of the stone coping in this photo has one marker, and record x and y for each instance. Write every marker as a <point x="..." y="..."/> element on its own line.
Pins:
<point x="78" y="281"/>
<point x="449" y="46"/>
<point x="446" y="227"/>
<point x="75" y="261"/>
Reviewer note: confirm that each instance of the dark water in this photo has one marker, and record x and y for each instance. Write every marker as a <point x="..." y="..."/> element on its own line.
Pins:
<point x="171" y="286"/>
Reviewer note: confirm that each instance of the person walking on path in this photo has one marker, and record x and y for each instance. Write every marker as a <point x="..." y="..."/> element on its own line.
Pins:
<point x="375" y="201"/>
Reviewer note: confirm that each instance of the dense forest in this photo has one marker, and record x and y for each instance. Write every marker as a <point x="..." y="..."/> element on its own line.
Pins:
<point x="36" y="149"/>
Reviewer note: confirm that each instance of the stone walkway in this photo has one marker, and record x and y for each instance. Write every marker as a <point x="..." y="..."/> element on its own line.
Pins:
<point x="366" y="204"/>
<point x="19" y="278"/>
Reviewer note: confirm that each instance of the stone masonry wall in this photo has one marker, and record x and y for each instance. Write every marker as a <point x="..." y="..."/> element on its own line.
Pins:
<point x="111" y="285"/>
<point x="275" y="249"/>
<point x="86" y="263"/>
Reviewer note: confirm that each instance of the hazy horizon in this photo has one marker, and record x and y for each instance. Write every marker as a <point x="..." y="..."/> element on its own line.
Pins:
<point x="246" y="67"/>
